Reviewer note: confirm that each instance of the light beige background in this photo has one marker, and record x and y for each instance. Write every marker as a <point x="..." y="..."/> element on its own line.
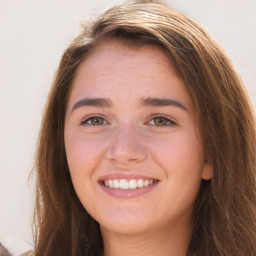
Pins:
<point x="33" y="35"/>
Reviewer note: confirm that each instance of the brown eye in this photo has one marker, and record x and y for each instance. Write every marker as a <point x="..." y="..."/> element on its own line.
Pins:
<point x="97" y="121"/>
<point x="160" y="121"/>
<point x="94" y="120"/>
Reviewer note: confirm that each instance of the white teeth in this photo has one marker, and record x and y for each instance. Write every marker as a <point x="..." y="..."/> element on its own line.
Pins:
<point x="140" y="183"/>
<point x="146" y="183"/>
<point x="116" y="184"/>
<point x="123" y="184"/>
<point x="128" y="184"/>
<point x="132" y="184"/>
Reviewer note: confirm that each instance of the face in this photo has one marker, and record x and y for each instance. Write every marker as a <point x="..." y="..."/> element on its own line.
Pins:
<point x="132" y="143"/>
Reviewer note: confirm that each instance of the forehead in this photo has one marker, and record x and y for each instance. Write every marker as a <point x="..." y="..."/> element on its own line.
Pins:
<point x="110" y="53"/>
<point x="116" y="69"/>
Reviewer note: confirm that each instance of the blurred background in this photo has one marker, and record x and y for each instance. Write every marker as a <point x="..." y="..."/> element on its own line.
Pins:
<point x="33" y="35"/>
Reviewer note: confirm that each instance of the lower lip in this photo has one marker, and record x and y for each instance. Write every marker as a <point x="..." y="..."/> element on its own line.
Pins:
<point x="128" y="193"/>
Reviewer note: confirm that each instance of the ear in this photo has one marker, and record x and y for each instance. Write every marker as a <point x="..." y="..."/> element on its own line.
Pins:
<point x="207" y="171"/>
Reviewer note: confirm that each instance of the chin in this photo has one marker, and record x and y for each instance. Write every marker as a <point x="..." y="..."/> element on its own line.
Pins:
<point x="126" y="221"/>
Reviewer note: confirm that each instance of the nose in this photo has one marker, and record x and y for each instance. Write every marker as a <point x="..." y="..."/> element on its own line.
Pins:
<point x="125" y="147"/>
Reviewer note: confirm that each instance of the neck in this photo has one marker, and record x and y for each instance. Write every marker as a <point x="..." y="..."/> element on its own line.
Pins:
<point x="151" y="243"/>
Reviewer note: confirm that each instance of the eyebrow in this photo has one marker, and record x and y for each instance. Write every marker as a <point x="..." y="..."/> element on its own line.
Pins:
<point x="95" y="102"/>
<point x="145" y="102"/>
<point x="158" y="102"/>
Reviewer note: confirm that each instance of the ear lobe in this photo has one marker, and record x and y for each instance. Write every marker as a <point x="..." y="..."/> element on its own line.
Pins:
<point x="207" y="172"/>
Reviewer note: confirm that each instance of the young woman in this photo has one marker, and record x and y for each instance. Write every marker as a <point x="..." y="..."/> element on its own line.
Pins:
<point x="147" y="145"/>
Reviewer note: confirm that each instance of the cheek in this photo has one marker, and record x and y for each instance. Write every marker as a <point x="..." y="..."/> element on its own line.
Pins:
<point x="83" y="154"/>
<point x="181" y="158"/>
<point x="182" y="149"/>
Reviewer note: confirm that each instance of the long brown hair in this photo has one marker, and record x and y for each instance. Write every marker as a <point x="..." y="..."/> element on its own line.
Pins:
<point x="224" y="221"/>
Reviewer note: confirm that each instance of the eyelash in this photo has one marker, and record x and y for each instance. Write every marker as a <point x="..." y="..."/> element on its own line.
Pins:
<point x="168" y="122"/>
<point x="91" y="118"/>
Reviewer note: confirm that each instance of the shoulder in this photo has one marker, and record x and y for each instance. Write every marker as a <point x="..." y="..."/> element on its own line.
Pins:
<point x="3" y="250"/>
<point x="12" y="246"/>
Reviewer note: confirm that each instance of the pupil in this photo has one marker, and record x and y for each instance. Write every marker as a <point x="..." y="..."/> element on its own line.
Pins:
<point x="160" y="121"/>
<point x="97" y="121"/>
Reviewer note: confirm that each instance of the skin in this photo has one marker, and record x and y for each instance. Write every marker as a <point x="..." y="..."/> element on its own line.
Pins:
<point x="131" y="139"/>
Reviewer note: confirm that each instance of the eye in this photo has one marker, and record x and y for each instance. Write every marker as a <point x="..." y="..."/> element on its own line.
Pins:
<point x="161" y="121"/>
<point x="94" y="120"/>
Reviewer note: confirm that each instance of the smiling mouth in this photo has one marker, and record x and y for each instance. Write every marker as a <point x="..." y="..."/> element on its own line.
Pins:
<point x="128" y="184"/>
